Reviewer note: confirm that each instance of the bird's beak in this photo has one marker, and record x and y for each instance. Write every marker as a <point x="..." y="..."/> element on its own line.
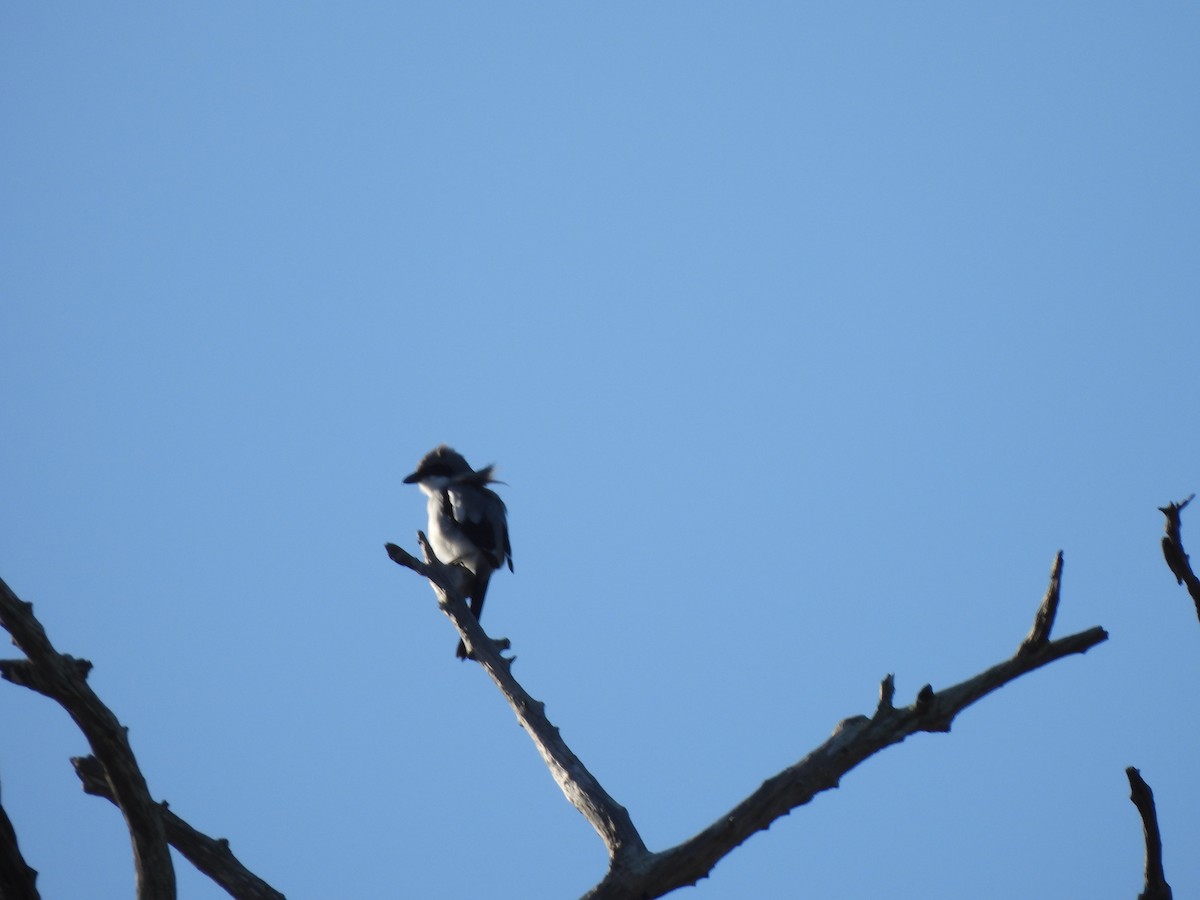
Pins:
<point x="413" y="478"/>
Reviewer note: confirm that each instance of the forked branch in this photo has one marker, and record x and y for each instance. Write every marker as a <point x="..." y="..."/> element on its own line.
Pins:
<point x="210" y="856"/>
<point x="636" y="872"/>
<point x="113" y="772"/>
<point x="64" y="679"/>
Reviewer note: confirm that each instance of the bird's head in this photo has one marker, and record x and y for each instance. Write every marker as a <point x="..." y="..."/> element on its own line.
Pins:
<point x="443" y="466"/>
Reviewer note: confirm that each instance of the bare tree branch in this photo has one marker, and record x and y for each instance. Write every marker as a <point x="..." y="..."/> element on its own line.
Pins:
<point x="58" y="675"/>
<point x="854" y="740"/>
<point x="634" y="871"/>
<point x="582" y="790"/>
<point x="1172" y="547"/>
<point x="1044" y="620"/>
<point x="1143" y="798"/>
<point x="64" y="679"/>
<point x="211" y="856"/>
<point x="17" y="879"/>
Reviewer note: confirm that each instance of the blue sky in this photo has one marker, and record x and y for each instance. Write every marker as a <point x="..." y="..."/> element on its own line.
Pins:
<point x="803" y="337"/>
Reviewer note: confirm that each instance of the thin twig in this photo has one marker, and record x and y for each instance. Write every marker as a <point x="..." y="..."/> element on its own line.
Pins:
<point x="1044" y="620"/>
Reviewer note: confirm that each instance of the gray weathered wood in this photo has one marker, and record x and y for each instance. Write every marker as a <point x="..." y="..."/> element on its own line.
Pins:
<point x="64" y="679"/>
<point x="635" y="871"/>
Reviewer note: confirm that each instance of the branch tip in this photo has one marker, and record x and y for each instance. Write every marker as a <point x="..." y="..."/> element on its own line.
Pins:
<point x="1173" y="552"/>
<point x="1043" y="620"/>
<point x="887" y="693"/>
<point x="1156" y="887"/>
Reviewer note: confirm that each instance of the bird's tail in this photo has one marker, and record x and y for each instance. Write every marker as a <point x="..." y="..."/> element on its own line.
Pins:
<point x="476" y="604"/>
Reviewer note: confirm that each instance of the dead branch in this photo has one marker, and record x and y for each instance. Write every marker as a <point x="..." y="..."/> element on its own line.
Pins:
<point x="1044" y="620"/>
<point x="64" y="680"/>
<point x="582" y="790"/>
<point x="17" y="880"/>
<point x="1172" y="547"/>
<point x="1156" y="887"/>
<point x="211" y="856"/>
<point x="636" y="872"/>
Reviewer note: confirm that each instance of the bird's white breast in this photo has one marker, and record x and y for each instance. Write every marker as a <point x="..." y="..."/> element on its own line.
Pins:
<point x="449" y="543"/>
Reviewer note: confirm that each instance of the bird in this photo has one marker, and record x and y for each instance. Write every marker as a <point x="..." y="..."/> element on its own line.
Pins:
<point x="468" y="522"/>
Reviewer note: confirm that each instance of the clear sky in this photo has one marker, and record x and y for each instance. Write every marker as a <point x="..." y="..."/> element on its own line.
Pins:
<point x="802" y="334"/>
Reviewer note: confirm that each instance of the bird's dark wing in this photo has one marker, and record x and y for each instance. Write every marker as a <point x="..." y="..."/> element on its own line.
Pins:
<point x="481" y="515"/>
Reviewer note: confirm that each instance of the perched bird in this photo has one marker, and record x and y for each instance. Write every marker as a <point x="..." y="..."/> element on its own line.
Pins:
<point x="468" y="523"/>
